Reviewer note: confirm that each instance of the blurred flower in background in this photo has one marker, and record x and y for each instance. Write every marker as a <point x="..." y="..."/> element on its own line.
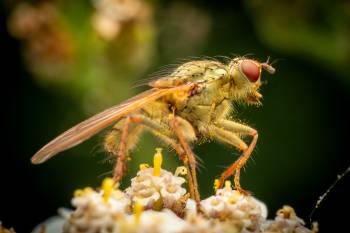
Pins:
<point x="47" y="45"/>
<point x="112" y="15"/>
<point x="87" y="50"/>
<point x="184" y="30"/>
<point x="86" y="56"/>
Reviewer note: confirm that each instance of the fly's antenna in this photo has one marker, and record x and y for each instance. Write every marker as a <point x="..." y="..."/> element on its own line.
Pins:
<point x="268" y="67"/>
<point x="325" y="194"/>
<point x="275" y="61"/>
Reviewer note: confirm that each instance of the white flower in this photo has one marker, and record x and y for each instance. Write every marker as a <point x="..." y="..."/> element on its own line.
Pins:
<point x="171" y="193"/>
<point x="230" y="205"/>
<point x="94" y="212"/>
<point x="151" y="221"/>
<point x="286" y="221"/>
<point x="213" y="206"/>
<point x="147" y="188"/>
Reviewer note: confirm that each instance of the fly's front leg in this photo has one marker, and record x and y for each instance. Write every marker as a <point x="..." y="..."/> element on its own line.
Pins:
<point x="184" y="133"/>
<point x="228" y="131"/>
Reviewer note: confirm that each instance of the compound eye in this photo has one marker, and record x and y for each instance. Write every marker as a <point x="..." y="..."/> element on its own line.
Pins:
<point x="251" y="70"/>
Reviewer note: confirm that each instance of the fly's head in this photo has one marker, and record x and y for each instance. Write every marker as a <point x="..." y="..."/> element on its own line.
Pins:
<point x="246" y="78"/>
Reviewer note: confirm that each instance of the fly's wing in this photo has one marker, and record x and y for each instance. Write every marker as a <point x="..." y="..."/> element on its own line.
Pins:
<point x="95" y="124"/>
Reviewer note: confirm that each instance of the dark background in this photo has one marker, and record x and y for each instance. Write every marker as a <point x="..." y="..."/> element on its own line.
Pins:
<point x="303" y="124"/>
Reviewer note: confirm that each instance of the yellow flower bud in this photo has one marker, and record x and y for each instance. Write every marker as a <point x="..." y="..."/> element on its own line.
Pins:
<point x="157" y="162"/>
<point x="228" y="185"/>
<point x="143" y="166"/>
<point x="138" y="209"/>
<point x="216" y="185"/>
<point x="107" y="186"/>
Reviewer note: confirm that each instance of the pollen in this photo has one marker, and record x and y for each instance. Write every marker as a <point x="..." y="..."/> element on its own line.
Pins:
<point x="234" y="198"/>
<point x="138" y="209"/>
<point x="143" y="166"/>
<point x="180" y="171"/>
<point x="157" y="162"/>
<point x="216" y="185"/>
<point x="82" y="192"/>
<point x="228" y="185"/>
<point x="78" y="192"/>
<point x="107" y="186"/>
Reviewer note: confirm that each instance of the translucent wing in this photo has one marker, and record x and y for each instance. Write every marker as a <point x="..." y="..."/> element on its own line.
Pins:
<point x="95" y="124"/>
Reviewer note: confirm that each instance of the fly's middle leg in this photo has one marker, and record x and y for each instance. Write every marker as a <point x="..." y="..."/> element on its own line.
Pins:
<point x="182" y="127"/>
<point x="227" y="131"/>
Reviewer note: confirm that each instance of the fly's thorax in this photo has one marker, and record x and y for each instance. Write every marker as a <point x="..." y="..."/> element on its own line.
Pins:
<point x="193" y="72"/>
<point x="201" y="106"/>
<point x="210" y="93"/>
<point x="157" y="109"/>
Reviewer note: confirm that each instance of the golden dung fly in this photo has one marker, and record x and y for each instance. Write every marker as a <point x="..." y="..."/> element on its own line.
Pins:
<point x="191" y="104"/>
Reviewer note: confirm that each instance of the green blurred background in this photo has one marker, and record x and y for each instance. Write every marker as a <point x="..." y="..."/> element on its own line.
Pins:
<point x="66" y="60"/>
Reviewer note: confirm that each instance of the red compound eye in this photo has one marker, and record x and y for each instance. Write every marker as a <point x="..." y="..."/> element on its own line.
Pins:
<point x="251" y="70"/>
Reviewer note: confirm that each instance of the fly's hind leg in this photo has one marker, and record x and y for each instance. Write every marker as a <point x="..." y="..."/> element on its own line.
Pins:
<point x="182" y="154"/>
<point x="227" y="131"/>
<point x="127" y="141"/>
<point x="165" y="134"/>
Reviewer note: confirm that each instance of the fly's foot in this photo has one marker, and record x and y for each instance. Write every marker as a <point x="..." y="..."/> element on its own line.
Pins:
<point x="237" y="183"/>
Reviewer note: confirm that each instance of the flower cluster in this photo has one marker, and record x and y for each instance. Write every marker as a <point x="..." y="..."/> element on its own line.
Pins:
<point x="155" y="188"/>
<point x="287" y="221"/>
<point x="157" y="202"/>
<point x="111" y="210"/>
<point x="96" y="211"/>
<point x="112" y="15"/>
<point x="48" y="45"/>
<point x="229" y="204"/>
